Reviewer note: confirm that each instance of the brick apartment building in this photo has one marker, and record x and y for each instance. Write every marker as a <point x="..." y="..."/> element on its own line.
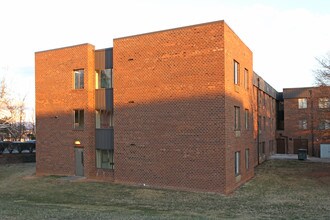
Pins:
<point x="307" y="120"/>
<point x="180" y="108"/>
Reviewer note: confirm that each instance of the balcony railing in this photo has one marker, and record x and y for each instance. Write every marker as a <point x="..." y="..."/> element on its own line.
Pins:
<point x="104" y="99"/>
<point x="104" y="138"/>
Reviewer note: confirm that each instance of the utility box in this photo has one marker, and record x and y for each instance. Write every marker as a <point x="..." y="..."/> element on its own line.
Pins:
<point x="302" y="154"/>
<point x="325" y="150"/>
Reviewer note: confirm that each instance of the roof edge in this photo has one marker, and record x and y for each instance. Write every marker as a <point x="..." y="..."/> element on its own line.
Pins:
<point x="171" y="29"/>
<point x="61" y="48"/>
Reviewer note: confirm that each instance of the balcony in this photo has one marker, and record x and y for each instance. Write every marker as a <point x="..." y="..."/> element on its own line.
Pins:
<point x="104" y="99"/>
<point x="104" y="138"/>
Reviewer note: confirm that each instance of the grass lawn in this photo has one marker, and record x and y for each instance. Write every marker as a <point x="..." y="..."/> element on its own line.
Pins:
<point x="280" y="190"/>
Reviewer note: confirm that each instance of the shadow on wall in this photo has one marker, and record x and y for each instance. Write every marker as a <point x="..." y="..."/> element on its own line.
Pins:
<point x="178" y="143"/>
<point x="181" y="142"/>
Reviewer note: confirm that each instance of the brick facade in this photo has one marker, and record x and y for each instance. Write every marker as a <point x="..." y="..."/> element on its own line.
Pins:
<point x="174" y="101"/>
<point x="188" y="110"/>
<point x="311" y="134"/>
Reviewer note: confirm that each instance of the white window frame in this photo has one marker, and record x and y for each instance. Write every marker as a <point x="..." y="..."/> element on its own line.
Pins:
<point x="79" y="75"/>
<point x="247" y="119"/>
<point x="247" y="158"/>
<point x="237" y="118"/>
<point x="302" y="103"/>
<point x="236" y="73"/>
<point x="303" y="124"/>
<point x="78" y="118"/>
<point x="324" y="102"/>
<point x="237" y="163"/>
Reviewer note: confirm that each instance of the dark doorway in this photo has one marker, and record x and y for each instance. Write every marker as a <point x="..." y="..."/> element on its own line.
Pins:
<point x="280" y="144"/>
<point x="79" y="160"/>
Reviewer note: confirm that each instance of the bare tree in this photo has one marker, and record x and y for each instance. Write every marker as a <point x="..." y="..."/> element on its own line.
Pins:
<point x="322" y="74"/>
<point x="12" y="113"/>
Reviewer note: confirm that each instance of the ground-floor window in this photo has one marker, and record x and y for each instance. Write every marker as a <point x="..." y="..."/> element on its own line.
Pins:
<point x="237" y="163"/>
<point x="262" y="148"/>
<point x="104" y="159"/>
<point x="247" y="159"/>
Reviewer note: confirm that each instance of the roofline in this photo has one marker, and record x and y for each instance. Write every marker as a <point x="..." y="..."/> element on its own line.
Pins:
<point x="312" y="87"/>
<point x="61" y="48"/>
<point x="171" y="29"/>
<point x="104" y="49"/>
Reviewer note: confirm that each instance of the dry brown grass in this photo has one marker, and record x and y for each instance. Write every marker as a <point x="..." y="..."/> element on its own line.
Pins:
<point x="280" y="190"/>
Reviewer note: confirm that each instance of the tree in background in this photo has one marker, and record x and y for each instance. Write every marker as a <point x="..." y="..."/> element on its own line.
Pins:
<point x="322" y="74"/>
<point x="12" y="114"/>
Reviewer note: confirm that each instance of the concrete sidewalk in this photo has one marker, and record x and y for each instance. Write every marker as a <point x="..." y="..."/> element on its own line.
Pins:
<point x="295" y="157"/>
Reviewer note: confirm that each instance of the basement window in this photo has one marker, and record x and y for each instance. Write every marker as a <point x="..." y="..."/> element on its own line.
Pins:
<point x="104" y="159"/>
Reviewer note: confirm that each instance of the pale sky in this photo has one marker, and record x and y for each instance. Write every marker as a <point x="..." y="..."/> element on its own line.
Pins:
<point x="285" y="36"/>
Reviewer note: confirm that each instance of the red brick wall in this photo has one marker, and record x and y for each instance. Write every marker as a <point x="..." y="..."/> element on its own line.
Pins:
<point x="267" y="127"/>
<point x="169" y="108"/>
<point x="56" y="99"/>
<point x="173" y="124"/>
<point x="292" y="115"/>
<point x="237" y="95"/>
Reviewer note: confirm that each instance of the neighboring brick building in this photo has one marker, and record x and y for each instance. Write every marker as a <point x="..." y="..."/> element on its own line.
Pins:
<point x="180" y="108"/>
<point x="306" y="120"/>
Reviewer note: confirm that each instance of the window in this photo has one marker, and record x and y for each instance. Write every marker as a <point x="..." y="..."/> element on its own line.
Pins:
<point x="303" y="124"/>
<point x="237" y="119"/>
<point x="324" y="103"/>
<point x="302" y="103"/>
<point x="246" y="79"/>
<point x="247" y="159"/>
<point x="237" y="163"/>
<point x="78" y="119"/>
<point x="79" y="79"/>
<point x="236" y="72"/>
<point x="104" y="79"/>
<point x="324" y="125"/>
<point x="262" y="148"/>
<point x="103" y="119"/>
<point x="104" y="159"/>
<point x="246" y="119"/>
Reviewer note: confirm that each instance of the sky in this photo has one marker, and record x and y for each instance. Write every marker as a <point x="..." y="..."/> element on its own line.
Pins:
<point x="285" y="36"/>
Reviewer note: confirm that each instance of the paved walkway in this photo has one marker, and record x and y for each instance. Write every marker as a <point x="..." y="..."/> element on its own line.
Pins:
<point x="295" y="157"/>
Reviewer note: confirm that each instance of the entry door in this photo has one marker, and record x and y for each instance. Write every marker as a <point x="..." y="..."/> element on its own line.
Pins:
<point x="280" y="146"/>
<point x="79" y="159"/>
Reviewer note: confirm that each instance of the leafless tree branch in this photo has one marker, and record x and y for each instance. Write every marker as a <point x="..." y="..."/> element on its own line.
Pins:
<point x="322" y="74"/>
